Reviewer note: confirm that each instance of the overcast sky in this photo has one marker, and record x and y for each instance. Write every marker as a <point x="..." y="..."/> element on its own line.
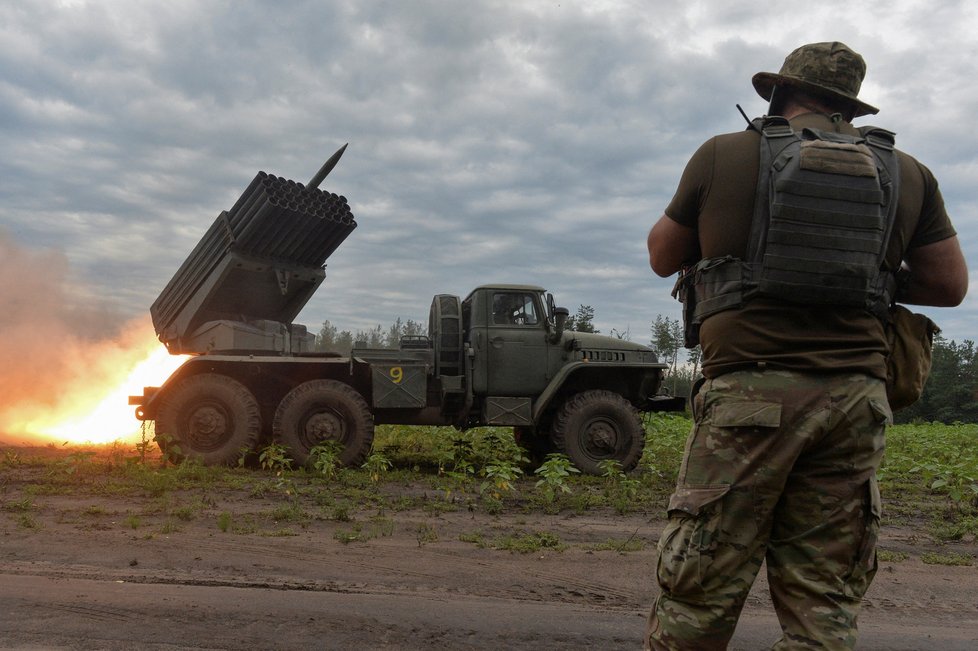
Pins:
<point x="524" y="141"/>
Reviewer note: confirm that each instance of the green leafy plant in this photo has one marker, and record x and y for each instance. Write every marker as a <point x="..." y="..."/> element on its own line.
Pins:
<point x="528" y="543"/>
<point x="11" y="458"/>
<point x="170" y="449"/>
<point x="554" y="473"/>
<point x="500" y="477"/>
<point x="460" y="456"/>
<point x="949" y="558"/>
<point x="620" y="489"/>
<point x="275" y="457"/>
<point x="76" y="461"/>
<point x="377" y="465"/>
<point x="324" y="458"/>
<point x="224" y="521"/>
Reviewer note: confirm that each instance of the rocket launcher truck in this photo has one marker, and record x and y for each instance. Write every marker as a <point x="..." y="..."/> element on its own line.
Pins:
<point x="500" y="357"/>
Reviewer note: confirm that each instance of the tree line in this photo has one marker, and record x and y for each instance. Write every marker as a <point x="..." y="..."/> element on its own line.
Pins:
<point x="950" y="395"/>
<point x="332" y="339"/>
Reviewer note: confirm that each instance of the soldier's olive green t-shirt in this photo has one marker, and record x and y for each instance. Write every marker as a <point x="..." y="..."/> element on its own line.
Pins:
<point x="716" y="197"/>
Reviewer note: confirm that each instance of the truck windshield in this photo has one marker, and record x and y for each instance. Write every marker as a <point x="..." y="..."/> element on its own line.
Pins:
<point x="514" y="308"/>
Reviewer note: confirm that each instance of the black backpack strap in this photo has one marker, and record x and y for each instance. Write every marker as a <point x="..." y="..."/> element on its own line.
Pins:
<point x="776" y="134"/>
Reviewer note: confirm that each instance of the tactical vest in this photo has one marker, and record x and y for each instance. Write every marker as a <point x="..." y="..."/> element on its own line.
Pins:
<point x="823" y="214"/>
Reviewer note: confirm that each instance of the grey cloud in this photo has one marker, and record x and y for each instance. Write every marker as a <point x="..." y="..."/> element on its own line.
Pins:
<point x="531" y="142"/>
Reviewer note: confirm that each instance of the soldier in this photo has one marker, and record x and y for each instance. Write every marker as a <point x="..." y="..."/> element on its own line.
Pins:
<point x="796" y="227"/>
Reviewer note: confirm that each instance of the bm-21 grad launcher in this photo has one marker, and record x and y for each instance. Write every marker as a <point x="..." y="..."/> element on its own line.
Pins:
<point x="254" y="270"/>
<point x="499" y="357"/>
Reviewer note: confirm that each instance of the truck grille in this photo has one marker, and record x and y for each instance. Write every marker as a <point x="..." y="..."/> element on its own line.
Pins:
<point x="603" y="355"/>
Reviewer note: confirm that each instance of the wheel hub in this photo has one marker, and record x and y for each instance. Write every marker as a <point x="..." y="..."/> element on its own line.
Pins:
<point x="208" y="427"/>
<point x="600" y="437"/>
<point x="322" y="426"/>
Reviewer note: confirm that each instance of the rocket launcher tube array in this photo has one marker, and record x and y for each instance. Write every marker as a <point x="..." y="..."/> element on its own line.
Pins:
<point x="274" y="219"/>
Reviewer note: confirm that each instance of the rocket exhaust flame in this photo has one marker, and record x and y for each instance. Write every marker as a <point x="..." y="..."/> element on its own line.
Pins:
<point x="66" y="368"/>
<point x="92" y="406"/>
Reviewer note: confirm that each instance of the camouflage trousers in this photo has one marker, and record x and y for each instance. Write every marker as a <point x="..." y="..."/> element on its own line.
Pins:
<point x="780" y="466"/>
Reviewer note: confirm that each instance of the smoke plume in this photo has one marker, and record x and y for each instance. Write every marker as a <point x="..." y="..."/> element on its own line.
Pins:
<point x="56" y="347"/>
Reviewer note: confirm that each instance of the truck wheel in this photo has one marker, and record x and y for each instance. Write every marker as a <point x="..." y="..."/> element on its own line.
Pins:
<point x="209" y="417"/>
<point x="593" y="426"/>
<point x="324" y="410"/>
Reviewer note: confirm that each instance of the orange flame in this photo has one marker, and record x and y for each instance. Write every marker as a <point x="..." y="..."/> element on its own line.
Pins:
<point x="90" y="400"/>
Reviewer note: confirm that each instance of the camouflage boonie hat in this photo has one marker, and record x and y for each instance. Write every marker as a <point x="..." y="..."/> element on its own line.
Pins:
<point x="830" y="69"/>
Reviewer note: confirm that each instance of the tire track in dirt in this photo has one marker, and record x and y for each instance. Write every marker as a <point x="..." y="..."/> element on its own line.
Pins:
<point x="91" y="612"/>
<point x="572" y="585"/>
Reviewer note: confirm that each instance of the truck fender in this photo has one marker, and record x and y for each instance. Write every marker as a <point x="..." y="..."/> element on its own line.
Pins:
<point x="548" y="394"/>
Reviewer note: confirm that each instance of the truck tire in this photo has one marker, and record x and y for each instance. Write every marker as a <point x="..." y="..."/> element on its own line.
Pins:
<point x="208" y="417"/>
<point x="445" y="332"/>
<point x="536" y="443"/>
<point x="324" y="410"/>
<point x="593" y="426"/>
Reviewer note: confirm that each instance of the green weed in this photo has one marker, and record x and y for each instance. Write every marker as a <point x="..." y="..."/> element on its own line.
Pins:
<point x="22" y="505"/>
<point x="528" y="543"/>
<point x="554" y="473"/>
<point x="275" y="458"/>
<point x="630" y="544"/>
<point x="324" y="459"/>
<point x="426" y="534"/>
<point x="500" y="477"/>
<point x="224" y="521"/>
<point x="887" y="556"/>
<point x="377" y="465"/>
<point x="948" y="558"/>
<point x="620" y="489"/>
<point x="169" y="449"/>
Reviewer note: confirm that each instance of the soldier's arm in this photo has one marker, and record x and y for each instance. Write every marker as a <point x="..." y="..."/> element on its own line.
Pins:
<point x="671" y="245"/>
<point x="938" y="275"/>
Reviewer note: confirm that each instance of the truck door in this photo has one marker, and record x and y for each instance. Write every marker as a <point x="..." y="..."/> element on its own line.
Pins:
<point x="517" y="344"/>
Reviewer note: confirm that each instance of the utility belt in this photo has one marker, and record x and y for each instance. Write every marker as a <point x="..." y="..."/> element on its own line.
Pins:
<point x="713" y="285"/>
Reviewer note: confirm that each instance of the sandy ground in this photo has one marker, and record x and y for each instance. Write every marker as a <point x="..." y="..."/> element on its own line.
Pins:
<point x="128" y="572"/>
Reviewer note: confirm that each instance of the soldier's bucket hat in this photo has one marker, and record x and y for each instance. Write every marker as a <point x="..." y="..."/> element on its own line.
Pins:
<point x="830" y="69"/>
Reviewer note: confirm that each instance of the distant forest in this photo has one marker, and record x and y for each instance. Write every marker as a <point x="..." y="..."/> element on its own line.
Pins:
<point x="950" y="395"/>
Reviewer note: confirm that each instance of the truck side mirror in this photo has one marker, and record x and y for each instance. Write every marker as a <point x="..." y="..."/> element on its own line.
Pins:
<point x="560" y="318"/>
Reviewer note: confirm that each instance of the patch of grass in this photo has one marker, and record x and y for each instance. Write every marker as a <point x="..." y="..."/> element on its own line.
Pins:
<point x="528" y="543"/>
<point x="492" y="504"/>
<point x="350" y="535"/>
<point x="477" y="538"/>
<point x="426" y="534"/>
<point x="132" y="521"/>
<point x="291" y="512"/>
<point x="224" y="521"/>
<point x="168" y="526"/>
<point x="947" y="558"/>
<point x="22" y="505"/>
<point x="381" y="526"/>
<point x="887" y="556"/>
<point x="341" y="513"/>
<point x="185" y="513"/>
<point x="630" y="544"/>
<point x="27" y="521"/>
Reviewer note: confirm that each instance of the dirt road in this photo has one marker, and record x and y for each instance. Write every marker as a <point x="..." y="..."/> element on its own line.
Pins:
<point x="111" y="571"/>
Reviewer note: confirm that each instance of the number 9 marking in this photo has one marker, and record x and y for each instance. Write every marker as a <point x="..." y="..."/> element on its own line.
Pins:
<point x="397" y="374"/>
